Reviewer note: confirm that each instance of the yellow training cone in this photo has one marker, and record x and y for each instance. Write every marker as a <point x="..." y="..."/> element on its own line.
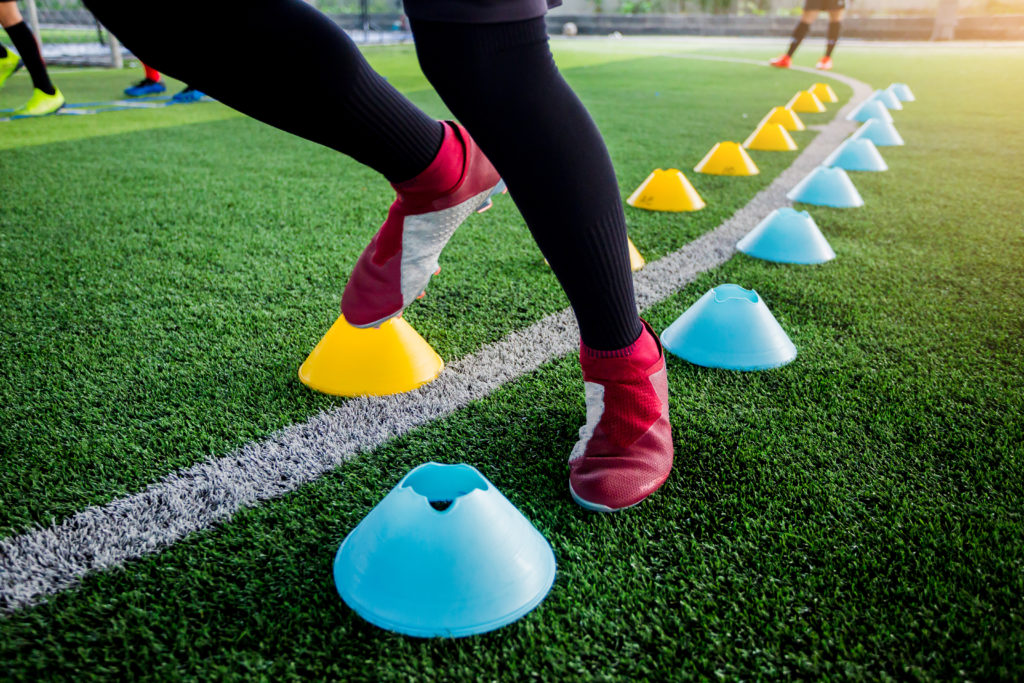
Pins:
<point x="636" y="261"/>
<point x="785" y="117"/>
<point x="824" y="92"/>
<point x="352" y="361"/>
<point x="666" y="191"/>
<point x="770" y="137"/>
<point x="805" y="102"/>
<point x="727" y="158"/>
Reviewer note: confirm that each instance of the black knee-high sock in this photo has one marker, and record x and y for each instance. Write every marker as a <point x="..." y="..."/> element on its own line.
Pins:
<point x="315" y="83"/>
<point x="26" y="45"/>
<point x="833" y="36"/>
<point x="798" y="36"/>
<point x="501" y="82"/>
<point x="3" y="51"/>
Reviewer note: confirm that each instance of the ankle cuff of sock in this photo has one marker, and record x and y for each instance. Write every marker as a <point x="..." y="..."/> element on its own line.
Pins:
<point x="624" y="352"/>
<point x="444" y="172"/>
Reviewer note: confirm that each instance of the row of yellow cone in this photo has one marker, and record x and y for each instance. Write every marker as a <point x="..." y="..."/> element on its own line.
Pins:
<point x="669" y="190"/>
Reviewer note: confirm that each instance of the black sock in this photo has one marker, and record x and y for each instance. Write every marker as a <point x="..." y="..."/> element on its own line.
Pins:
<point x="346" y="106"/>
<point x="501" y="82"/>
<point x="833" y="36"/>
<point x="798" y="36"/>
<point x="27" y="47"/>
<point x="3" y="51"/>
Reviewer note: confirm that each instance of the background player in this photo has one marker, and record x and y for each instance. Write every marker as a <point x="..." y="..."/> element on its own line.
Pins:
<point x="835" y="9"/>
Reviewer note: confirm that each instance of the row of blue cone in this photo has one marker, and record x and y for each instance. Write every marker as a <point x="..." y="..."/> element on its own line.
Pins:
<point x="731" y="327"/>
<point x="828" y="184"/>
<point x="446" y="554"/>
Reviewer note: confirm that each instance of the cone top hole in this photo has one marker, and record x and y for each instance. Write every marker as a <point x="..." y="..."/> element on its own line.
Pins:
<point x="442" y="485"/>
<point x="724" y="293"/>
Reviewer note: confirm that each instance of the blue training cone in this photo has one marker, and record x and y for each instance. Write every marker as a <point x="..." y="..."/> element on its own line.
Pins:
<point x="902" y="91"/>
<point x="787" y="236"/>
<point x="870" y="109"/>
<point x="731" y="328"/>
<point x="881" y="133"/>
<point x="444" y="554"/>
<point x="857" y="154"/>
<point x="826" y="186"/>
<point x="888" y="99"/>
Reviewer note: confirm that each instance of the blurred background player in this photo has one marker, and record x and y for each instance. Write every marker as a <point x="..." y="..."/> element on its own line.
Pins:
<point x="46" y="98"/>
<point x="490" y="62"/>
<point x="835" y="9"/>
<point x="152" y="84"/>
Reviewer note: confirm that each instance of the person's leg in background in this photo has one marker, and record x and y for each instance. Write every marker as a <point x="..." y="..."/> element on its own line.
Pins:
<point x="46" y="98"/>
<point x="835" y="23"/>
<point x="799" y="33"/>
<point x="151" y="84"/>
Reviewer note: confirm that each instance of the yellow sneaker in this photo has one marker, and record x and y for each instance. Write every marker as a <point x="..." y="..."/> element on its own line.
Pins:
<point x="8" y="65"/>
<point x="41" y="104"/>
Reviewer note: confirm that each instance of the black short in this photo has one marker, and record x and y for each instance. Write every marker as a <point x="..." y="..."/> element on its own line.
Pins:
<point x="478" y="11"/>
<point x="824" y="5"/>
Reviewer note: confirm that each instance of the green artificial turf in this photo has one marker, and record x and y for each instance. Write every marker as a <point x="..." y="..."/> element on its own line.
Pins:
<point x="856" y="514"/>
<point x="159" y="306"/>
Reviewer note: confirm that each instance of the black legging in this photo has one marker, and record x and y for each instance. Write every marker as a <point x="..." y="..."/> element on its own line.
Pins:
<point x="498" y="79"/>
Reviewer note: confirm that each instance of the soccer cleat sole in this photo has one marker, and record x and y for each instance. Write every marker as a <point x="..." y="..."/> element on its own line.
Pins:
<point x="597" y="507"/>
<point x="500" y="188"/>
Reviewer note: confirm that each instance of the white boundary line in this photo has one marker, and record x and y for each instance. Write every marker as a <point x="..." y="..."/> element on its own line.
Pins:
<point x="44" y="561"/>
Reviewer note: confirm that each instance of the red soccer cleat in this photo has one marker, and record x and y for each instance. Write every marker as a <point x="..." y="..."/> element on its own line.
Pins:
<point x="625" y="449"/>
<point x="825" y="64"/>
<point x="782" y="61"/>
<point x="394" y="269"/>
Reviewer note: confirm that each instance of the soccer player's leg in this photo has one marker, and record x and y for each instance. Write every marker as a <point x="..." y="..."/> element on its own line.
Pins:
<point x="811" y="8"/>
<point x="498" y="77"/>
<point x="350" y="108"/>
<point x="46" y="98"/>
<point x="835" y="23"/>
